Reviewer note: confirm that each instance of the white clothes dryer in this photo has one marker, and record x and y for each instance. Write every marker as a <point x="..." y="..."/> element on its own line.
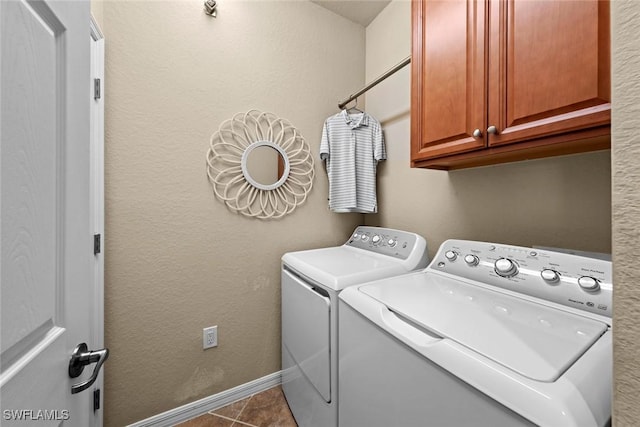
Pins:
<point x="311" y="282"/>
<point x="487" y="335"/>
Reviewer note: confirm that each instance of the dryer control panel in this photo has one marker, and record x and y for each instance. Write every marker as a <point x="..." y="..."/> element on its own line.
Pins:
<point x="387" y="241"/>
<point x="574" y="281"/>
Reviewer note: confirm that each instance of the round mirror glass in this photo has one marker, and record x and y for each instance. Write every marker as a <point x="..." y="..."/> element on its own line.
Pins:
<point x="265" y="165"/>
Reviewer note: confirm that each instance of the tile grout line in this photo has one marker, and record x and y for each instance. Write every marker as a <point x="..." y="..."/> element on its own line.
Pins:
<point x="223" y="417"/>
<point x="232" y="420"/>
<point x="213" y="411"/>
<point x="241" y="410"/>
<point x="243" y="423"/>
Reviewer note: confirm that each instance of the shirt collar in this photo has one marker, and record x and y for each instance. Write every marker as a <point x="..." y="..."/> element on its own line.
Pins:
<point x="361" y="119"/>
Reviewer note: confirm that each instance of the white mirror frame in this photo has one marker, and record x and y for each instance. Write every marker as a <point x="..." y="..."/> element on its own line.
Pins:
<point x="233" y="185"/>
<point x="245" y="171"/>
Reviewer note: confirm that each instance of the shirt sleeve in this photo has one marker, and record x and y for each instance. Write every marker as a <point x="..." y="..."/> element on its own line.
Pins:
<point x="324" y="143"/>
<point x="379" y="150"/>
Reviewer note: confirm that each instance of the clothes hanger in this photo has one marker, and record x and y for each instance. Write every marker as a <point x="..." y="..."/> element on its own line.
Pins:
<point x="354" y="109"/>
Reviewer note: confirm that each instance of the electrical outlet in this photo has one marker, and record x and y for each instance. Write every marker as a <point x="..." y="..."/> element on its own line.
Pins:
<point x="210" y="337"/>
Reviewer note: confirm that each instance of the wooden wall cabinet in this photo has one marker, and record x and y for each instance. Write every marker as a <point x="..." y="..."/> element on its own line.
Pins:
<point x="495" y="81"/>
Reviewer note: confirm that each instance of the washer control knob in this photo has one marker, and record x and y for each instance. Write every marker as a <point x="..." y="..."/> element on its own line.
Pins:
<point x="589" y="284"/>
<point x="364" y="237"/>
<point x="451" y="255"/>
<point x="375" y="239"/>
<point x="391" y="242"/>
<point x="471" y="260"/>
<point x="505" y="267"/>
<point x="550" y="276"/>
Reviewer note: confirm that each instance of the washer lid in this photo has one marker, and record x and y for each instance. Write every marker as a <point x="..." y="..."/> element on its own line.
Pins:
<point x="342" y="266"/>
<point x="536" y="341"/>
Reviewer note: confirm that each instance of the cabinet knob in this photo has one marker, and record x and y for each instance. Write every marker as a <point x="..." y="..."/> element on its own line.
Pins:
<point x="477" y="133"/>
<point x="492" y="130"/>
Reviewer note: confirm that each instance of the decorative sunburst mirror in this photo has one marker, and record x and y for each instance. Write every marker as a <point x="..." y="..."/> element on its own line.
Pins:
<point x="259" y="165"/>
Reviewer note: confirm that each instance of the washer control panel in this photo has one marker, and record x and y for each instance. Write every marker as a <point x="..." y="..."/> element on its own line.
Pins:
<point x="574" y="281"/>
<point x="386" y="241"/>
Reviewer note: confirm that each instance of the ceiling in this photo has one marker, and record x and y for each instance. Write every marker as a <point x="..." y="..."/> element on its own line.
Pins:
<point x="360" y="11"/>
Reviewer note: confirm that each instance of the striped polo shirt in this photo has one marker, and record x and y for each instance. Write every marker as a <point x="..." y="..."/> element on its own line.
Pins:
<point x="351" y="146"/>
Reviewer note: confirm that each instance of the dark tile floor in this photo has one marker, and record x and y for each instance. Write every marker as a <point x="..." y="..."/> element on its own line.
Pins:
<point x="266" y="409"/>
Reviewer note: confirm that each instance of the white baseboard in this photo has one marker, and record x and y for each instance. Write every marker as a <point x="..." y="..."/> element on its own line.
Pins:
<point x="216" y="401"/>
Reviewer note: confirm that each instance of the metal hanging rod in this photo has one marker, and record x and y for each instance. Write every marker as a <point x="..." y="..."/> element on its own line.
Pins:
<point x="404" y="62"/>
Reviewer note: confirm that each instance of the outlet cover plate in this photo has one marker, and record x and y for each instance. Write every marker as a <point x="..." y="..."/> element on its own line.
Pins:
<point x="210" y="337"/>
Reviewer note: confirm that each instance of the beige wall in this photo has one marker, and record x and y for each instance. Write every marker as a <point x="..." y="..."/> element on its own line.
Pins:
<point x="562" y="201"/>
<point x="626" y="207"/>
<point x="97" y="11"/>
<point x="176" y="259"/>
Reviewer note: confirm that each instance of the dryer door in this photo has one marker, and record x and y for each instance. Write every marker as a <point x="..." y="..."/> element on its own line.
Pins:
<point x="306" y="331"/>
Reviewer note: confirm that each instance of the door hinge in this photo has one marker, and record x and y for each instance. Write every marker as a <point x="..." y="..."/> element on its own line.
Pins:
<point x="96" y="399"/>
<point x="96" y="88"/>
<point x="96" y="244"/>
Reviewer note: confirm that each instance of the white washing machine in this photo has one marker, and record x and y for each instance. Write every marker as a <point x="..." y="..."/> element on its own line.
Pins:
<point x="487" y="335"/>
<point x="311" y="282"/>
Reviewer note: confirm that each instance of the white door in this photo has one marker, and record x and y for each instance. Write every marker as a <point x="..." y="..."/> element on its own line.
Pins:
<point x="46" y="270"/>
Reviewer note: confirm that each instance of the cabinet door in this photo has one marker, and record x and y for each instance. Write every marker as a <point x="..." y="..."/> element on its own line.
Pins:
<point x="448" y="77"/>
<point x="549" y="70"/>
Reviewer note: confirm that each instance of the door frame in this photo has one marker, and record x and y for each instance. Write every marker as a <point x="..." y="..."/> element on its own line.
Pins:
<point x="97" y="199"/>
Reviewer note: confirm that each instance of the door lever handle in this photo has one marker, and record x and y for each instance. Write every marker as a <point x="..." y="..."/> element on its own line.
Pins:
<point x="80" y="358"/>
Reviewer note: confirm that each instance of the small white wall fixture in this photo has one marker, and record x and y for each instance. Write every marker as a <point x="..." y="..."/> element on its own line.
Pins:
<point x="234" y="177"/>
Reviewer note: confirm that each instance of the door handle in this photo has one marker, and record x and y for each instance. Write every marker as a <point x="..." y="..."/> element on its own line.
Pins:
<point x="80" y="358"/>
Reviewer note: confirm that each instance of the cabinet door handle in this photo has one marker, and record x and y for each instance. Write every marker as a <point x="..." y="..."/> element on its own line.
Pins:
<point x="492" y="130"/>
<point x="477" y="133"/>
